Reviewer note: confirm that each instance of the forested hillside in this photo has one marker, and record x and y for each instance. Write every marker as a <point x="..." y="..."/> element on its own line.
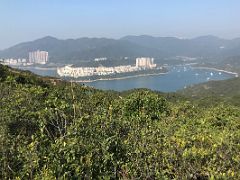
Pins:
<point x="214" y="92"/>
<point x="52" y="129"/>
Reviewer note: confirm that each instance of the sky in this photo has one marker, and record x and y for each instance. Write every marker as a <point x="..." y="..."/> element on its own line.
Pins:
<point x="25" y="20"/>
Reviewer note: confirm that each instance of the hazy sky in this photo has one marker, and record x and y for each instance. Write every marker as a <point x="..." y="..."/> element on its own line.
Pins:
<point x="23" y="20"/>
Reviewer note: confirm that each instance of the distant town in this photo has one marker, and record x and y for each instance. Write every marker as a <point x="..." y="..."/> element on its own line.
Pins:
<point x="143" y="63"/>
<point x="35" y="57"/>
<point x="42" y="57"/>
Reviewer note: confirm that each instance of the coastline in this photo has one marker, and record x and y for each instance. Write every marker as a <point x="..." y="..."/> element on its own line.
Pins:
<point x="219" y="70"/>
<point x="119" y="78"/>
<point x="35" y="67"/>
<point x="152" y="74"/>
<point x="41" y="68"/>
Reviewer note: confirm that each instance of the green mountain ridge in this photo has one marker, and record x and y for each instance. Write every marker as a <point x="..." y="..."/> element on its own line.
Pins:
<point x="75" y="50"/>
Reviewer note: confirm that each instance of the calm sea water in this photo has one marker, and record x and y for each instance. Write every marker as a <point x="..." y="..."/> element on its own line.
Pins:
<point x="177" y="78"/>
<point x="41" y="72"/>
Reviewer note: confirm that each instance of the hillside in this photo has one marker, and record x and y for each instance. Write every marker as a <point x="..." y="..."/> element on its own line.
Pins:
<point x="52" y="129"/>
<point x="204" y="46"/>
<point x="215" y="91"/>
<point x="231" y="63"/>
<point x="76" y="50"/>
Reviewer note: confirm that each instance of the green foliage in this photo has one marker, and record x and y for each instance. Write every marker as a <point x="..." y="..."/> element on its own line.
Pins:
<point x="215" y="92"/>
<point x="144" y="103"/>
<point x="60" y="130"/>
<point x="3" y="72"/>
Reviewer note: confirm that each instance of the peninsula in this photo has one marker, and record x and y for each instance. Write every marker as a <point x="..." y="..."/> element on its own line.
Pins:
<point x="143" y="65"/>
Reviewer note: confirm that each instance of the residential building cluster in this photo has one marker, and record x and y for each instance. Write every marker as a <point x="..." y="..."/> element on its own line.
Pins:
<point x="15" y="62"/>
<point x="76" y="72"/>
<point x="145" y="62"/>
<point x="100" y="59"/>
<point x="36" y="57"/>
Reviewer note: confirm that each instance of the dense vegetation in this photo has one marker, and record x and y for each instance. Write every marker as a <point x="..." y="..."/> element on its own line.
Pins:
<point x="51" y="129"/>
<point x="215" y="92"/>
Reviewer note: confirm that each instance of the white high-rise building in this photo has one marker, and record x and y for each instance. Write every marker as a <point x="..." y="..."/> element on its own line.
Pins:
<point x="38" y="57"/>
<point x="145" y="62"/>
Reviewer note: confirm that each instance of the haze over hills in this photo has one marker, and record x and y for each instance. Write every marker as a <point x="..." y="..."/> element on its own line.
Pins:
<point x="201" y="46"/>
<point x="73" y="50"/>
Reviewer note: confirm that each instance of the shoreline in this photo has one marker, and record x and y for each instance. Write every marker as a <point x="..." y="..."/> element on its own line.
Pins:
<point x="41" y="68"/>
<point x="134" y="76"/>
<point x="219" y="70"/>
<point x="35" y="67"/>
<point x="119" y="78"/>
<point x="153" y="74"/>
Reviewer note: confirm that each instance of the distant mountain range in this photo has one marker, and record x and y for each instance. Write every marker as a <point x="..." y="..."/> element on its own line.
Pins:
<point x="74" y="50"/>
